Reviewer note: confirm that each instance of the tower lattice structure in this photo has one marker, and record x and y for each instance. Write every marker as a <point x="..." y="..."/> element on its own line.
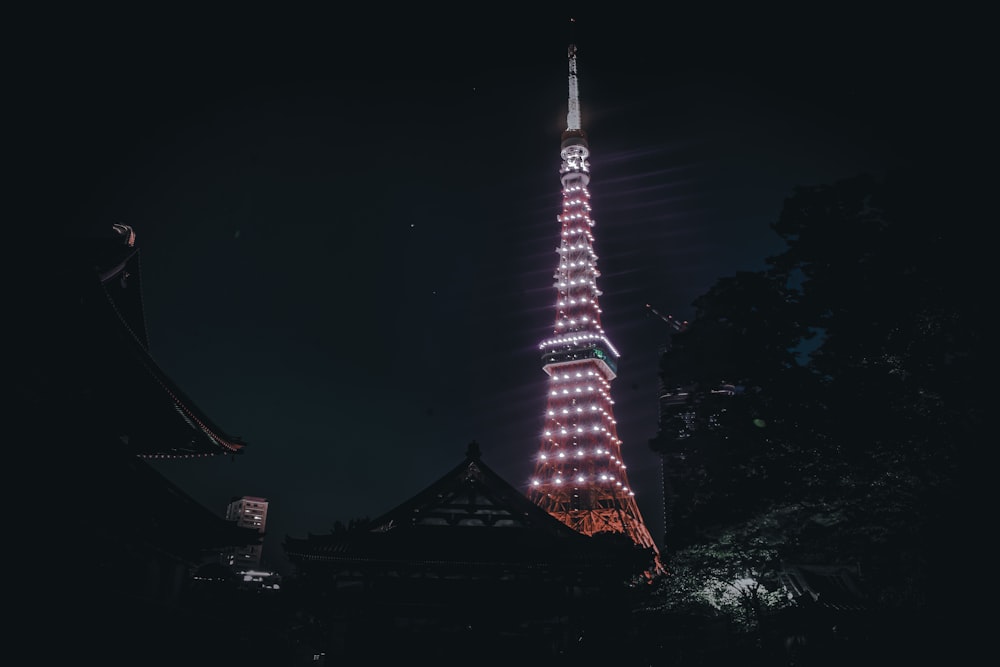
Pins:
<point x="580" y="476"/>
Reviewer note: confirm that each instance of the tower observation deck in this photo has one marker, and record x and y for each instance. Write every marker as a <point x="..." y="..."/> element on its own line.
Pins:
<point x="580" y="475"/>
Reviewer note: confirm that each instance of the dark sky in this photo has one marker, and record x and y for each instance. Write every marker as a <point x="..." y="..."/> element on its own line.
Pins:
<point x="348" y="224"/>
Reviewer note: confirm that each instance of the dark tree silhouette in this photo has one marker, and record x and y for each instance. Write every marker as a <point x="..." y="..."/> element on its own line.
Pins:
<point x="856" y="374"/>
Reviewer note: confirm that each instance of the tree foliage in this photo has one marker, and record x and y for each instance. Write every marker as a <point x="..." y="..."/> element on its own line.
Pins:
<point x="854" y="365"/>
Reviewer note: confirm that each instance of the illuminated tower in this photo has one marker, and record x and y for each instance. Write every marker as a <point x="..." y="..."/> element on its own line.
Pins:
<point x="580" y="476"/>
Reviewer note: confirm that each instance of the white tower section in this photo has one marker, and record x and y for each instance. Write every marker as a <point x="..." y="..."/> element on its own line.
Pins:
<point x="573" y="114"/>
<point x="578" y="331"/>
<point x="574" y="151"/>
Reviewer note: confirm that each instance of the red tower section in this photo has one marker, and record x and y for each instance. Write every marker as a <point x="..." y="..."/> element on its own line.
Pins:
<point x="580" y="475"/>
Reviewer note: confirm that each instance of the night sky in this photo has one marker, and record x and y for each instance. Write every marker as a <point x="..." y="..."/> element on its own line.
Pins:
<point x="348" y="224"/>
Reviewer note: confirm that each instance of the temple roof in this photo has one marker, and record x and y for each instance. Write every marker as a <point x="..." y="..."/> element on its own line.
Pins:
<point x="85" y="319"/>
<point x="469" y="516"/>
<point x="91" y="403"/>
<point x="142" y="506"/>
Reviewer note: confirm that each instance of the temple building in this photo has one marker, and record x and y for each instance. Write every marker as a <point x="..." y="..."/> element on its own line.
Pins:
<point x="105" y="541"/>
<point x="468" y="561"/>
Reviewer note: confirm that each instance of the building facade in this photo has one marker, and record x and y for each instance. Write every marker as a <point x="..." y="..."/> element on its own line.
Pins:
<point x="247" y="512"/>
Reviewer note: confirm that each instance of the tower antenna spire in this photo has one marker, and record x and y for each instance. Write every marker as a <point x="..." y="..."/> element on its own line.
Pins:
<point x="573" y="112"/>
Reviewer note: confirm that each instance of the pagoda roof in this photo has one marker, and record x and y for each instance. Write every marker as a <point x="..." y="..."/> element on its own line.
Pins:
<point x="470" y="516"/>
<point x="85" y="319"/>
<point x="159" y="513"/>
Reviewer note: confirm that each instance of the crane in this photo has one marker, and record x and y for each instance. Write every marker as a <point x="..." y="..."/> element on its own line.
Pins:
<point x="674" y="323"/>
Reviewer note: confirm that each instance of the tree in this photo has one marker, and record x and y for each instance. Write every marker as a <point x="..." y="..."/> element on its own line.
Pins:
<point x="735" y="573"/>
<point x="856" y="365"/>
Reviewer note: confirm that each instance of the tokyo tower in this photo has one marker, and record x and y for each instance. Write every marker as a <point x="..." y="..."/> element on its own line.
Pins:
<point x="580" y="476"/>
